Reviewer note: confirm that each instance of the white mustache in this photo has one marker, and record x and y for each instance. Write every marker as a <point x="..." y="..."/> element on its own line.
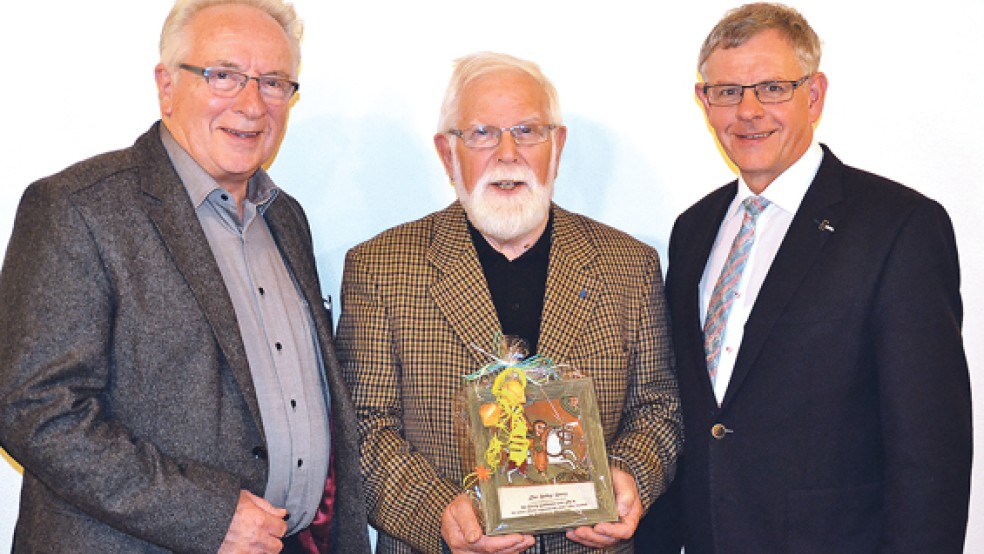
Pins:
<point x="516" y="173"/>
<point x="505" y="217"/>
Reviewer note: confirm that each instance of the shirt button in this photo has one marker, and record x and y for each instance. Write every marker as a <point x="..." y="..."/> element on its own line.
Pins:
<point x="259" y="453"/>
<point x="300" y="462"/>
<point x="279" y="346"/>
<point x="262" y="292"/>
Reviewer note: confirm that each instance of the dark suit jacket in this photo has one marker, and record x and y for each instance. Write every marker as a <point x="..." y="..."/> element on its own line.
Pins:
<point x="848" y="415"/>
<point x="415" y="305"/>
<point x="124" y="386"/>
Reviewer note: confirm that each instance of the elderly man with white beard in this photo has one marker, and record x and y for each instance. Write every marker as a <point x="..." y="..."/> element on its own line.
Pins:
<point x="421" y="301"/>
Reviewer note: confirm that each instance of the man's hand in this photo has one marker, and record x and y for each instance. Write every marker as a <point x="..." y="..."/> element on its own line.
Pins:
<point x="604" y="535"/>
<point x="460" y="529"/>
<point x="257" y="526"/>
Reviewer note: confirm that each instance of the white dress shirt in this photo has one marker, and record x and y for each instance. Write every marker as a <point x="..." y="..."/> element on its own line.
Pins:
<point x="784" y="196"/>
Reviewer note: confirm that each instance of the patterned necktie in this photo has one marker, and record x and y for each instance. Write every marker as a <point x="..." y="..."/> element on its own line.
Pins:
<point x="726" y="287"/>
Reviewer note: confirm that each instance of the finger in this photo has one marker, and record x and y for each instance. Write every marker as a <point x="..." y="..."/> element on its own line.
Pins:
<point x="627" y="503"/>
<point x="452" y="534"/>
<point x="624" y="528"/>
<point x="523" y="545"/>
<point x="591" y="537"/>
<point x="451" y="528"/>
<point x="463" y="516"/>
<point x="615" y="531"/>
<point x="505" y="544"/>
<point x="266" y="506"/>
<point x="272" y="519"/>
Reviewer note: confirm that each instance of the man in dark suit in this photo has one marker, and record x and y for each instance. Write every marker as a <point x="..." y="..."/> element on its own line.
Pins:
<point x="419" y="298"/>
<point x="167" y="377"/>
<point x="833" y="412"/>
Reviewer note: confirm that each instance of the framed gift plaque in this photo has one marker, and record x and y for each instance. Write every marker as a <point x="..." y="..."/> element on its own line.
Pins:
<point x="539" y="452"/>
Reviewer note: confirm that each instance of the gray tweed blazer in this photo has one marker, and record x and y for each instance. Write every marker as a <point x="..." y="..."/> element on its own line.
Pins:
<point x="124" y="386"/>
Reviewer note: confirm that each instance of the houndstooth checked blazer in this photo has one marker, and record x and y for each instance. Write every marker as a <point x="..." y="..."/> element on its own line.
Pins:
<point x="414" y="305"/>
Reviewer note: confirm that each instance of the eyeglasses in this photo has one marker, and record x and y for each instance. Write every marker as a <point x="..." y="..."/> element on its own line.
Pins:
<point x="228" y="83"/>
<point x="767" y="92"/>
<point x="487" y="136"/>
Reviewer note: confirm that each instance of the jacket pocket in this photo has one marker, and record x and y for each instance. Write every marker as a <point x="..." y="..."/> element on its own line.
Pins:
<point x="835" y="520"/>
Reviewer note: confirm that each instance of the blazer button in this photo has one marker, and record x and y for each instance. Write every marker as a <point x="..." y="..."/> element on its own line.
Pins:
<point x="719" y="431"/>
<point x="259" y="453"/>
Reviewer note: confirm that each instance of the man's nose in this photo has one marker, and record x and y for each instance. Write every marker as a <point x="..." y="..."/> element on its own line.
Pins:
<point x="750" y="107"/>
<point x="250" y="101"/>
<point x="507" y="148"/>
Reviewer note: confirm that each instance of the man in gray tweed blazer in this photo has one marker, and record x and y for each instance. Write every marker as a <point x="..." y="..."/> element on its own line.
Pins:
<point x="167" y="375"/>
<point x="418" y="298"/>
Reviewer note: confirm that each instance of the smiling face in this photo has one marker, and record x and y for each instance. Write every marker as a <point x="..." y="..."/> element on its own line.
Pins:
<point x="763" y="140"/>
<point x="229" y="137"/>
<point x="505" y="190"/>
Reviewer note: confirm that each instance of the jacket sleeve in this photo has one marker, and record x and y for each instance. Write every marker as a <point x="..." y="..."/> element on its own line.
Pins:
<point x="57" y="378"/>
<point x="405" y="494"/>
<point x="924" y="388"/>
<point x="650" y="435"/>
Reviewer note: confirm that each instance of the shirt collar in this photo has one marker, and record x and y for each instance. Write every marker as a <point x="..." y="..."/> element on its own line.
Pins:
<point x="786" y="192"/>
<point x="260" y="191"/>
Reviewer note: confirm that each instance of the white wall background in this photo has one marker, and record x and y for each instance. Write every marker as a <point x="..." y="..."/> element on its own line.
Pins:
<point x="905" y="101"/>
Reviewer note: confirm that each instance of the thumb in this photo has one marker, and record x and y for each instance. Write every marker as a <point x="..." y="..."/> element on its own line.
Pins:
<point x="265" y="505"/>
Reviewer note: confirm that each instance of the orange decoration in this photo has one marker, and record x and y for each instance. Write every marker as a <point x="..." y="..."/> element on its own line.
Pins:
<point x="490" y="413"/>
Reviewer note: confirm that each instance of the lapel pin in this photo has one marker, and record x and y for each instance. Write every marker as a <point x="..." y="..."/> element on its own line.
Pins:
<point x="824" y="225"/>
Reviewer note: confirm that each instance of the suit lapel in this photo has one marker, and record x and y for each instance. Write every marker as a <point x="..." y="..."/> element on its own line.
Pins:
<point x="572" y="289"/>
<point x="169" y="207"/>
<point x="459" y="289"/>
<point x="295" y="251"/>
<point x="796" y="257"/>
<point x="685" y="281"/>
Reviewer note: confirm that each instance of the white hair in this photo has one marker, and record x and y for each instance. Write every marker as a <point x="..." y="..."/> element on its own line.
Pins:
<point x="175" y="43"/>
<point x="471" y="67"/>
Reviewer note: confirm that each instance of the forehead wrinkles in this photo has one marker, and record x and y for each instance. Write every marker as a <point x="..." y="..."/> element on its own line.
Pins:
<point x="241" y="38"/>
<point x="503" y="98"/>
<point x="764" y="57"/>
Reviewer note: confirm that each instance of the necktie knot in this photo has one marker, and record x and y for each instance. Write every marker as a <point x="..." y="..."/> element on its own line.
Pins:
<point x="754" y="205"/>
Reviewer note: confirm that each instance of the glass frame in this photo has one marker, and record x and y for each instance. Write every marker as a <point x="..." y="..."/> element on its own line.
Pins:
<point x="755" y="87"/>
<point x="460" y="133"/>
<point x="206" y="73"/>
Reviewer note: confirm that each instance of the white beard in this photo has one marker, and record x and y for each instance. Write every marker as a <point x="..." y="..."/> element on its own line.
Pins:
<point x="506" y="218"/>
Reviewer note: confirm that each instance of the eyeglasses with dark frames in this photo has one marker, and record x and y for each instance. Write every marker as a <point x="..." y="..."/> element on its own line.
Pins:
<point x="767" y="92"/>
<point x="226" y="82"/>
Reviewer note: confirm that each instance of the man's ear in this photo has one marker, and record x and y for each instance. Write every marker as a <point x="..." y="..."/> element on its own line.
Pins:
<point x="818" y="94"/>
<point x="702" y="97"/>
<point x="165" y="88"/>
<point x="560" y="138"/>
<point x="443" y="145"/>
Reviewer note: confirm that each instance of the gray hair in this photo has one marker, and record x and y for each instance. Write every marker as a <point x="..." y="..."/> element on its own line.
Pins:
<point x="175" y="42"/>
<point x="741" y="24"/>
<point x="471" y="67"/>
